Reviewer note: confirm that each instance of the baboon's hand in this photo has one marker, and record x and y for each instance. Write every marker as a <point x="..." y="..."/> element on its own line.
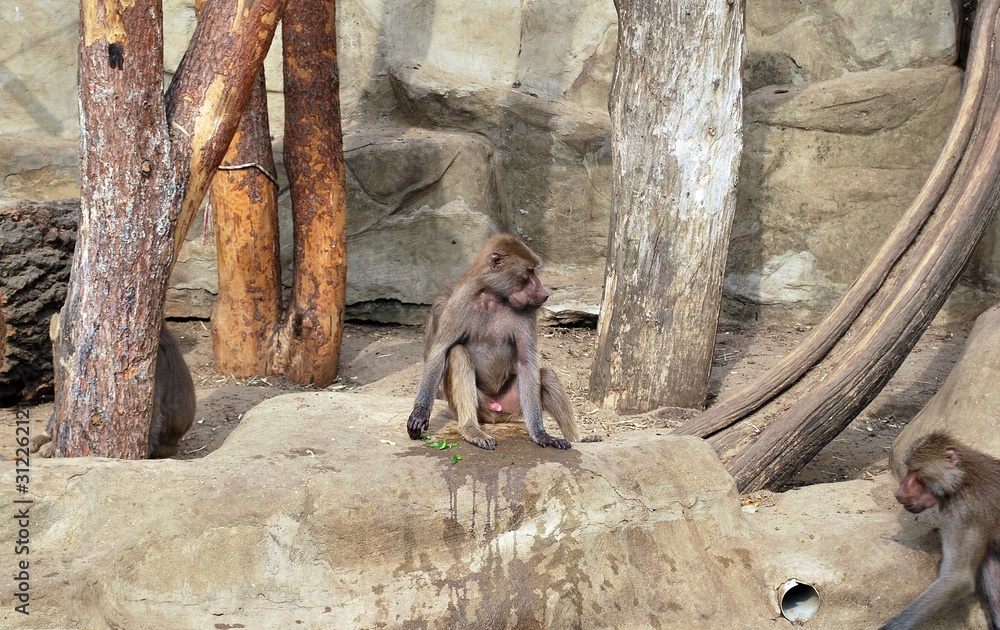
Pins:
<point x="549" y="440"/>
<point x="417" y="424"/>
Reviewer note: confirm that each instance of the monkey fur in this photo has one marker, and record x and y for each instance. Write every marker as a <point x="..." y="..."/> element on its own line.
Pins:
<point x="965" y="486"/>
<point x="482" y="347"/>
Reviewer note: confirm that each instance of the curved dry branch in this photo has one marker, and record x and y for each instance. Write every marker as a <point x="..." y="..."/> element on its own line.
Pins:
<point x="814" y="393"/>
<point x="914" y="296"/>
<point x="828" y="332"/>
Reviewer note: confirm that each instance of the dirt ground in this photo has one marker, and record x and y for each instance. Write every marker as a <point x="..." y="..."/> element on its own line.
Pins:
<point x="387" y="360"/>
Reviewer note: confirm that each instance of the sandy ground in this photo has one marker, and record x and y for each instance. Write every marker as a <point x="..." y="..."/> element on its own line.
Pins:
<point x="387" y="360"/>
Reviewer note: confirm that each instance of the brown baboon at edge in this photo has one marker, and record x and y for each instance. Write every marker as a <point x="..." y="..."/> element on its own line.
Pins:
<point x="481" y="345"/>
<point x="965" y="485"/>
<point x="174" y="401"/>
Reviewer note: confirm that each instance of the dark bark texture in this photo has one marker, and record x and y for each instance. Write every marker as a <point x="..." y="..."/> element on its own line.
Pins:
<point x="36" y="247"/>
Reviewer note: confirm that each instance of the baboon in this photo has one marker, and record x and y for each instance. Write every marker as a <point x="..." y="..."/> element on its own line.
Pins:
<point x="965" y="485"/>
<point x="173" y="401"/>
<point x="481" y="345"/>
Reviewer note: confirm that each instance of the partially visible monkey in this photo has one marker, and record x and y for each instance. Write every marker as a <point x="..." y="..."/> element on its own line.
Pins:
<point x="481" y="343"/>
<point x="965" y="485"/>
<point x="173" y="401"/>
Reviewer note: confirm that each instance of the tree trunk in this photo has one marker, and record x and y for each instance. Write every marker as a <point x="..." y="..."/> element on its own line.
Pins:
<point x="677" y="134"/>
<point x="210" y="90"/>
<point x="245" y="206"/>
<point x="129" y="185"/>
<point x="307" y="347"/>
<point x="36" y="247"/>
<point x="144" y="171"/>
<point x="856" y="349"/>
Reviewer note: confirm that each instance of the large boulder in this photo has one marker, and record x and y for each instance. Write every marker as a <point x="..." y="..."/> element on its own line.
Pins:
<point x="319" y="512"/>
<point x="559" y="50"/>
<point x="420" y="205"/>
<point x="966" y="404"/>
<point x="40" y="169"/>
<point x="38" y="76"/>
<point x="553" y="160"/>
<point x="827" y="171"/>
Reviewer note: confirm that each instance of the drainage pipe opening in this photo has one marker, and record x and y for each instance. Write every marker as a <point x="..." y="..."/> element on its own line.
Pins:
<point x="799" y="601"/>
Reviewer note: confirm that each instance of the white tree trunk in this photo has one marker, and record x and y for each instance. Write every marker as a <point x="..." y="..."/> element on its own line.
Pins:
<point x="677" y="134"/>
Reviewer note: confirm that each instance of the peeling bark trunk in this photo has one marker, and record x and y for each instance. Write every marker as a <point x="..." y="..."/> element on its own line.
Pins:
<point x="144" y="170"/>
<point x="130" y="193"/>
<point x="307" y="348"/>
<point x="676" y="113"/>
<point x="245" y="206"/>
<point x="808" y="399"/>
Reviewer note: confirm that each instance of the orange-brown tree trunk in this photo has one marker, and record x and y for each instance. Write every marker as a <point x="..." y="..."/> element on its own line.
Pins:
<point x="245" y="207"/>
<point x="307" y="348"/>
<point x="250" y="333"/>
<point x="146" y="161"/>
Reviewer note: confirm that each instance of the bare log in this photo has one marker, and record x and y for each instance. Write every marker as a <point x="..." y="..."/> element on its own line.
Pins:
<point x="245" y="206"/>
<point x="673" y="198"/>
<point x="307" y="348"/>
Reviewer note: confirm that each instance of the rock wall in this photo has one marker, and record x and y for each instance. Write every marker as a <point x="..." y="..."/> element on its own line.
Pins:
<point x="827" y="170"/>
<point x="462" y="119"/>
